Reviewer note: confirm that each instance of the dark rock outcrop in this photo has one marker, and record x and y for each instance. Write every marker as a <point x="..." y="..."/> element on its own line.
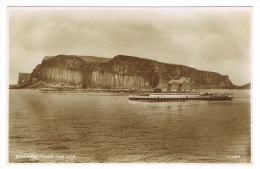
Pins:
<point x="35" y="75"/>
<point x="24" y="78"/>
<point x="122" y="72"/>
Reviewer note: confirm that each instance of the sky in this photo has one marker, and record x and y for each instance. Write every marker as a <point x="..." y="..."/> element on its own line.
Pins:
<point x="216" y="39"/>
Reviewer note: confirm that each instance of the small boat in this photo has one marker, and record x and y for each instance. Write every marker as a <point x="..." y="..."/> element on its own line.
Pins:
<point x="182" y="96"/>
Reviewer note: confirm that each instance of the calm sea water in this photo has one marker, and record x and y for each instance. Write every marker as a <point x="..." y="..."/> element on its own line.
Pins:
<point x="84" y="127"/>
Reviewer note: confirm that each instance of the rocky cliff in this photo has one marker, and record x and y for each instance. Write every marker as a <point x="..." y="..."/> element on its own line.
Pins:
<point x="246" y="86"/>
<point x="122" y="72"/>
<point x="24" y="78"/>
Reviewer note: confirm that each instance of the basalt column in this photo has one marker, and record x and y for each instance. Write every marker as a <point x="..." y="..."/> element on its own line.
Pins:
<point x="87" y="79"/>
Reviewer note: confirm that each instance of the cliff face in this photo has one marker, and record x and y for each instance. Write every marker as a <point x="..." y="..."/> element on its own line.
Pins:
<point x="61" y="68"/>
<point x="121" y="72"/>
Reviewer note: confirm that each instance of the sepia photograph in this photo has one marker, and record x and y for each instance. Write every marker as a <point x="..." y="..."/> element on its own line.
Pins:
<point x="130" y="84"/>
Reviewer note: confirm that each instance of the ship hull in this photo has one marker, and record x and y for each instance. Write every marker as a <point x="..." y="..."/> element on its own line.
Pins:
<point x="180" y="99"/>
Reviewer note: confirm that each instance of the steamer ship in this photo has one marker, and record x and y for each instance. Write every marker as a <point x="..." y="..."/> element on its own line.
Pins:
<point x="180" y="95"/>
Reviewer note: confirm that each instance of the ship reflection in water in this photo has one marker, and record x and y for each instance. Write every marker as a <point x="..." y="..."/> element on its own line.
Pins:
<point x="100" y="127"/>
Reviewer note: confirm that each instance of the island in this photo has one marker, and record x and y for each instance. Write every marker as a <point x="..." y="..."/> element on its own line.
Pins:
<point x="120" y="72"/>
